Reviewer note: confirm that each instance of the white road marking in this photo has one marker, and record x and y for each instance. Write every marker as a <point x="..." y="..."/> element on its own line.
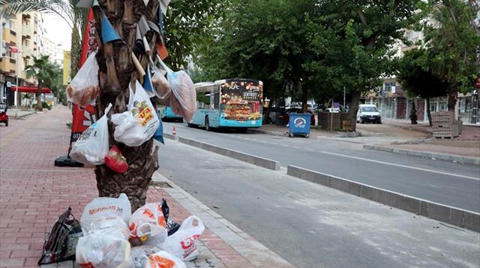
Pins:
<point x="403" y="166"/>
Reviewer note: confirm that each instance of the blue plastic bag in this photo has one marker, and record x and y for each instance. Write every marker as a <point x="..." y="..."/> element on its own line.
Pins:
<point x="159" y="133"/>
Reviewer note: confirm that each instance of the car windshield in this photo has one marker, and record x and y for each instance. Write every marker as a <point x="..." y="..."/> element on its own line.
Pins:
<point x="369" y="109"/>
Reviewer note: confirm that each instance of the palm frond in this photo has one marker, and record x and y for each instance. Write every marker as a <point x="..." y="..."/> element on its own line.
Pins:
<point x="59" y="7"/>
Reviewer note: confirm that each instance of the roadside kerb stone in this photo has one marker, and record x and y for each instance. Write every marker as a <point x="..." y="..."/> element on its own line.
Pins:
<point x="252" y="159"/>
<point x="438" y="156"/>
<point x="451" y="215"/>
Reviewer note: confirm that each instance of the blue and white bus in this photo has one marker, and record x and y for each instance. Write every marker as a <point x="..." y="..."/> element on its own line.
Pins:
<point x="230" y="103"/>
<point x="166" y="113"/>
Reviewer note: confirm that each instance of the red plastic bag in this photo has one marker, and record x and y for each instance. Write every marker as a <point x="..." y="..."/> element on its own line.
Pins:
<point x="116" y="161"/>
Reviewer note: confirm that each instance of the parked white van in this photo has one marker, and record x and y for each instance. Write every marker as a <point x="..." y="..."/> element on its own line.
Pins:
<point x="368" y="113"/>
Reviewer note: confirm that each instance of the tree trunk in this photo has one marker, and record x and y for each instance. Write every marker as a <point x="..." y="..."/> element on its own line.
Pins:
<point x="116" y="72"/>
<point x="452" y="98"/>
<point x="75" y="51"/>
<point x="429" y="114"/>
<point x="352" y="112"/>
<point x="39" y="97"/>
<point x="413" y="113"/>
<point x="304" y="98"/>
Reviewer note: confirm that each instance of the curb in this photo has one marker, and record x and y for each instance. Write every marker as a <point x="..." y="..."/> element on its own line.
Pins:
<point x="241" y="242"/>
<point x="451" y="215"/>
<point x="252" y="159"/>
<point x="270" y="132"/>
<point x="439" y="156"/>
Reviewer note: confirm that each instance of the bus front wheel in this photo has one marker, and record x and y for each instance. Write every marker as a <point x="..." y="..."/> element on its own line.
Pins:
<point x="207" y="124"/>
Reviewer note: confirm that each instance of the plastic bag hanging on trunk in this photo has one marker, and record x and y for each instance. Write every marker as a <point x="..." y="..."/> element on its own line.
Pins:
<point x="183" y="101"/>
<point x="92" y="146"/>
<point x="139" y="123"/>
<point x="84" y="89"/>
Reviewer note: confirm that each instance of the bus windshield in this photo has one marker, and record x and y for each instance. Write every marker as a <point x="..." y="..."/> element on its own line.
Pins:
<point x="241" y="99"/>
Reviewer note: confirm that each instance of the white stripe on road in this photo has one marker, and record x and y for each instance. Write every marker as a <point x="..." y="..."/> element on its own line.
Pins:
<point x="403" y="166"/>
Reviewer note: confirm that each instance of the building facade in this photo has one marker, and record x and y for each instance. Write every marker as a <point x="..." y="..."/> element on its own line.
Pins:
<point x="25" y="33"/>
<point x="394" y="103"/>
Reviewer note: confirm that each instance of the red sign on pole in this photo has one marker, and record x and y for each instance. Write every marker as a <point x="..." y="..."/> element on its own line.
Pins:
<point x="477" y="83"/>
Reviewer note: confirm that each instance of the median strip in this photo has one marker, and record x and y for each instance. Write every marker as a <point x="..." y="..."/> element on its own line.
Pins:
<point x="252" y="159"/>
<point x="455" y="216"/>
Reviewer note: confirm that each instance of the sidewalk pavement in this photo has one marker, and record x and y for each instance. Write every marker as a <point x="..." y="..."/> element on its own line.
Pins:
<point x="33" y="193"/>
<point x="20" y="113"/>
<point x="399" y="136"/>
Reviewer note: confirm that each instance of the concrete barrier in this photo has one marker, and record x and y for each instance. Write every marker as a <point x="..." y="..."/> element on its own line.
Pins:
<point x="439" y="156"/>
<point x="252" y="159"/>
<point x="451" y="215"/>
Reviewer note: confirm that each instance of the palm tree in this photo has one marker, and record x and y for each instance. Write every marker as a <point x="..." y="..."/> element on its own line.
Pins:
<point x="43" y="71"/>
<point x="75" y="18"/>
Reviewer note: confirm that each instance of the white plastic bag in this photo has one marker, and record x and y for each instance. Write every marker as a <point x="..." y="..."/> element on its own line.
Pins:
<point x="148" y="225"/>
<point x="103" y="250"/>
<point x="92" y="146"/>
<point x="104" y="207"/>
<point x="182" y="243"/>
<point x="139" y="123"/>
<point x="164" y="259"/>
<point x="84" y="87"/>
<point x="140" y="255"/>
<point x="184" y="98"/>
<point x="109" y="223"/>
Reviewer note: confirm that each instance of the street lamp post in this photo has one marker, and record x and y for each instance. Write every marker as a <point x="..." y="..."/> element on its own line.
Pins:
<point x="16" y="86"/>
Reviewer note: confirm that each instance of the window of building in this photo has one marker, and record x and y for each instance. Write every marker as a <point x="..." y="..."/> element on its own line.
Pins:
<point x="442" y="105"/>
<point x="389" y="86"/>
<point x="10" y="24"/>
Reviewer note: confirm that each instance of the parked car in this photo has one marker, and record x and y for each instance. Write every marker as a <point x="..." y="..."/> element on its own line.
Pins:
<point x="299" y="110"/>
<point x="368" y="113"/>
<point x="3" y="114"/>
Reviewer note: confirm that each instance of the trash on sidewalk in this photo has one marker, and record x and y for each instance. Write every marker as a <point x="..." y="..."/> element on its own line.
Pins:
<point x="61" y="241"/>
<point x="163" y="259"/>
<point x="104" y="239"/>
<point x="148" y="225"/>
<point x="84" y="88"/>
<point x="182" y="243"/>
<point x="115" y="161"/>
<point x="103" y="207"/>
<point x="92" y="146"/>
<point x="139" y="123"/>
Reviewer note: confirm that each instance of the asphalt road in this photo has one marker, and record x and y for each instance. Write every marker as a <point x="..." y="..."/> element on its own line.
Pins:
<point x="443" y="182"/>
<point x="314" y="226"/>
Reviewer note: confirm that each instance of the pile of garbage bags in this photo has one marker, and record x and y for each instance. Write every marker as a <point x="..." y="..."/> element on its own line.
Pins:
<point x="114" y="237"/>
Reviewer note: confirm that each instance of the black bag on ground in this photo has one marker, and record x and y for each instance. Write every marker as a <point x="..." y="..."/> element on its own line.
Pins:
<point x="172" y="226"/>
<point x="61" y="242"/>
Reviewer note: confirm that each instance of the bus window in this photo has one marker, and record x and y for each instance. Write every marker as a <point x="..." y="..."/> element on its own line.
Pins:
<point x="216" y="100"/>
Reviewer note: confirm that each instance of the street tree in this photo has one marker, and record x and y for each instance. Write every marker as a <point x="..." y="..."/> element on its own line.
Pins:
<point x="415" y="73"/>
<point x="67" y="10"/>
<point x="265" y="40"/>
<point x="44" y="72"/>
<point x="453" y="41"/>
<point x="356" y="39"/>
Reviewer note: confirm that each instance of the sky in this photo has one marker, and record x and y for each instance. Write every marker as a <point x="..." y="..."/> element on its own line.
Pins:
<point x="57" y="30"/>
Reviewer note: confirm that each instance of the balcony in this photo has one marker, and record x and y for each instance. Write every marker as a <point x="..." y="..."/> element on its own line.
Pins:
<point x="26" y="31"/>
<point x="26" y="51"/>
<point x="9" y="36"/>
<point x="7" y="65"/>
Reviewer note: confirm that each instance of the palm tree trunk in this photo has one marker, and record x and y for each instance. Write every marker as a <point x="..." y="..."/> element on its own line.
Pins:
<point x="116" y="72"/>
<point x="39" y="97"/>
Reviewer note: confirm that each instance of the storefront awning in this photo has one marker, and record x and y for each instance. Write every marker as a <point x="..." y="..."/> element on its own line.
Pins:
<point x="31" y="89"/>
